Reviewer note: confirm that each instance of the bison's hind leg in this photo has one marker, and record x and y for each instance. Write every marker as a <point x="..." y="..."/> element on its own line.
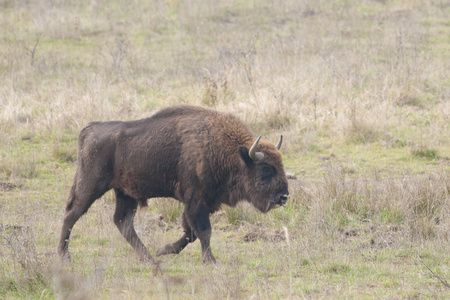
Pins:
<point x="82" y="195"/>
<point x="123" y="218"/>
<point x="176" y="247"/>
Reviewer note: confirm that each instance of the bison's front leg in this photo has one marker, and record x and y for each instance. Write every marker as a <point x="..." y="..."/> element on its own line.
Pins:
<point x="178" y="246"/>
<point x="200" y="224"/>
<point x="123" y="218"/>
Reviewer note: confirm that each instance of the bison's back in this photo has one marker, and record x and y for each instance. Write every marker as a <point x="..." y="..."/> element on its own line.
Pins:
<point x="162" y="155"/>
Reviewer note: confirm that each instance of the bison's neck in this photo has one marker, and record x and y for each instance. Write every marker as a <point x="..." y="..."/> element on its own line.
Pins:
<point x="230" y="189"/>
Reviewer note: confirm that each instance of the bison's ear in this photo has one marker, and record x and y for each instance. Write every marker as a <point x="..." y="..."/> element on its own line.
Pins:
<point x="243" y="152"/>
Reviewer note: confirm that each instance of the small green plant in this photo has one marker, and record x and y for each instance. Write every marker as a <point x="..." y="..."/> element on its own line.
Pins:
<point x="20" y="168"/>
<point x="235" y="216"/>
<point x="170" y="210"/>
<point x="425" y="153"/>
<point x="391" y="215"/>
<point x="337" y="268"/>
<point x="64" y="153"/>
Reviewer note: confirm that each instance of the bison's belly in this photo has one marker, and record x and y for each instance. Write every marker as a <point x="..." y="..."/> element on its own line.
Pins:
<point x="145" y="187"/>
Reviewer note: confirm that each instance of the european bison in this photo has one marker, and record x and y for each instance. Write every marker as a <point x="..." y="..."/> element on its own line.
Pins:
<point x="198" y="156"/>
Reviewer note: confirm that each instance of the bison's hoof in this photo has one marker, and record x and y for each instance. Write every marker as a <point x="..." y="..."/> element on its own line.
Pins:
<point x="209" y="260"/>
<point x="213" y="263"/>
<point x="166" y="249"/>
<point x="150" y="262"/>
<point x="66" y="258"/>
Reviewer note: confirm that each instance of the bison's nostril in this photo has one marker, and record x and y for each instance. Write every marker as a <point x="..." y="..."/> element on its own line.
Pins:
<point x="284" y="198"/>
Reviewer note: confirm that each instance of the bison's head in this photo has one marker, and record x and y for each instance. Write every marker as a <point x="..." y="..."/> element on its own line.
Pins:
<point x="264" y="184"/>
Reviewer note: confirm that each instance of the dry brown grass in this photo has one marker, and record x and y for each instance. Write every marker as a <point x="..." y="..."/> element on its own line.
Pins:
<point x="359" y="69"/>
<point x="341" y="236"/>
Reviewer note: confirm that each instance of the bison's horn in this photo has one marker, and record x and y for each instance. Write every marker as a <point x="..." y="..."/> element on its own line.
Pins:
<point x="278" y="146"/>
<point x="256" y="156"/>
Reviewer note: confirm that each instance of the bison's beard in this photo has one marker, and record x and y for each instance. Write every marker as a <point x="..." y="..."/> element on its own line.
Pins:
<point x="265" y="205"/>
<point x="272" y="205"/>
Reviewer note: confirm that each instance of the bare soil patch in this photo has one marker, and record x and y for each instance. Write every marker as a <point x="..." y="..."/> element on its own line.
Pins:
<point x="6" y="186"/>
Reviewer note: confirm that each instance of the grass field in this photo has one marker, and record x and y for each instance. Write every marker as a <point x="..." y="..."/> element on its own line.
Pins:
<point x="359" y="89"/>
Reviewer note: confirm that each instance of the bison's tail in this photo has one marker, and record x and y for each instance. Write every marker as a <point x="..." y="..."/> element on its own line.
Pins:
<point x="71" y="197"/>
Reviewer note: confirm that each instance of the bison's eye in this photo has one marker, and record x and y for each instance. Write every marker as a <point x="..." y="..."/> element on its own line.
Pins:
<point x="267" y="172"/>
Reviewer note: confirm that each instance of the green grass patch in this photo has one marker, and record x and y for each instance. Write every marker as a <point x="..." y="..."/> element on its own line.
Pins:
<point x="429" y="154"/>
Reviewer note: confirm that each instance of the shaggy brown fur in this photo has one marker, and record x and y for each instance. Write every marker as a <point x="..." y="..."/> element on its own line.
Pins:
<point x="195" y="155"/>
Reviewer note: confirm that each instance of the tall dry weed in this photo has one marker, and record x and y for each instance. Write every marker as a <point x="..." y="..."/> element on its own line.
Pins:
<point x="23" y="268"/>
<point x="418" y="203"/>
